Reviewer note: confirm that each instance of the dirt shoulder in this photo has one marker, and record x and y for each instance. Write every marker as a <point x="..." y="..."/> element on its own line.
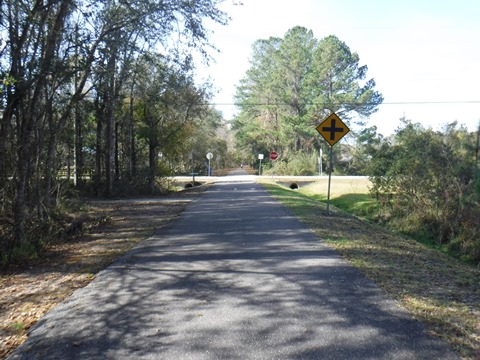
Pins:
<point x="27" y="294"/>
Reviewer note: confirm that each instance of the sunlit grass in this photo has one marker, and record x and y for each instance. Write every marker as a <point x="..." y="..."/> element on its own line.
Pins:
<point x="350" y="194"/>
<point x="338" y="186"/>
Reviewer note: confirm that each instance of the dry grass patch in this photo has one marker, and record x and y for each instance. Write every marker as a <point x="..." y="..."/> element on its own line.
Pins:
<point x="27" y="294"/>
<point x="339" y="186"/>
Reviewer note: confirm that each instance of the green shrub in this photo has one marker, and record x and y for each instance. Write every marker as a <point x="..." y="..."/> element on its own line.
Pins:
<point x="298" y="164"/>
<point x="428" y="178"/>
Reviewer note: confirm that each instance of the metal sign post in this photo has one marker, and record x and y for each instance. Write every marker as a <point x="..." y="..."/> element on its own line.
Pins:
<point x="320" y="165"/>
<point x="273" y="157"/>
<point x="330" y="167"/>
<point x="209" y="157"/>
<point x="260" y="157"/>
<point x="193" y="169"/>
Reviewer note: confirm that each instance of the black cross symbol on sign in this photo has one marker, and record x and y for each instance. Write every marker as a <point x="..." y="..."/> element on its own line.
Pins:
<point x="332" y="129"/>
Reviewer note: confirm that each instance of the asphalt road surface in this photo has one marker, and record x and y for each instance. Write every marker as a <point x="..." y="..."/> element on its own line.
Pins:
<point x="236" y="276"/>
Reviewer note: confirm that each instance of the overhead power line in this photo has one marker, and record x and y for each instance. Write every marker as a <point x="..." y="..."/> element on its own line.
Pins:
<point x="347" y="103"/>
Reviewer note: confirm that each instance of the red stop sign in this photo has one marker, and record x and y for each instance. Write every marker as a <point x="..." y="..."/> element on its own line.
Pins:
<point x="273" y="155"/>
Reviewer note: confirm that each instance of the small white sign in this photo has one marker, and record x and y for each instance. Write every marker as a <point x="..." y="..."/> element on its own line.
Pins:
<point x="209" y="155"/>
<point x="260" y="156"/>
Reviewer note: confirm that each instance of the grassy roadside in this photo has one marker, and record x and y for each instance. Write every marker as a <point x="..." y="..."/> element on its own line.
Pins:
<point x="437" y="289"/>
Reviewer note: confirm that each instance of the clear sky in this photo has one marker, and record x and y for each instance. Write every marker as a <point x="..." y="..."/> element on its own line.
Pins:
<point x="424" y="55"/>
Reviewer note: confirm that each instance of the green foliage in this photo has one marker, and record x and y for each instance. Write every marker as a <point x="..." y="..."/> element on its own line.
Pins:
<point x="338" y="81"/>
<point x="299" y="164"/>
<point x="22" y="254"/>
<point x="292" y="83"/>
<point x="363" y="205"/>
<point x="367" y="143"/>
<point x="82" y="94"/>
<point x="425" y="184"/>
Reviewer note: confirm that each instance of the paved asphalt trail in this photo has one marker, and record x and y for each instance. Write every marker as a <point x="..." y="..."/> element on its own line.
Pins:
<point x="236" y="276"/>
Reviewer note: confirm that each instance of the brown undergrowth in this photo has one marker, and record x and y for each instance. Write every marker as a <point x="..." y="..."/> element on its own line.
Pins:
<point x="27" y="294"/>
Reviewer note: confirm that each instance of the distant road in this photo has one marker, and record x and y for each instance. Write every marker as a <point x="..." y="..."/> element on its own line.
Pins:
<point x="236" y="276"/>
<point x="241" y="175"/>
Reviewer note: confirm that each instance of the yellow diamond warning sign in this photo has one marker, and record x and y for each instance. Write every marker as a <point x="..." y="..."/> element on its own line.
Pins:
<point x="332" y="129"/>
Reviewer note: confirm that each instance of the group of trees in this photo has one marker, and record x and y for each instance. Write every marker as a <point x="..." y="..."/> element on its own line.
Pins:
<point x="104" y="93"/>
<point x="293" y="83"/>
<point x="94" y="90"/>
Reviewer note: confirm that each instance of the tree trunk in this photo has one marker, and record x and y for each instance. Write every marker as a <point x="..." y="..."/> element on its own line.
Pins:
<point x="110" y="124"/>
<point x="99" y="146"/>
<point x="23" y="165"/>
<point x="131" y="137"/>
<point x="33" y="95"/>
<point x="5" y="128"/>
<point x="48" y="171"/>
<point x="152" y="156"/>
<point x="78" y="147"/>
<point x="109" y="148"/>
<point x="117" y="162"/>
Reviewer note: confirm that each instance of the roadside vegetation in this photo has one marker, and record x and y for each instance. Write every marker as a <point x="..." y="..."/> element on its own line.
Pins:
<point x="426" y="183"/>
<point x="110" y="229"/>
<point x="438" y="289"/>
<point x="97" y="100"/>
<point x="421" y="183"/>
